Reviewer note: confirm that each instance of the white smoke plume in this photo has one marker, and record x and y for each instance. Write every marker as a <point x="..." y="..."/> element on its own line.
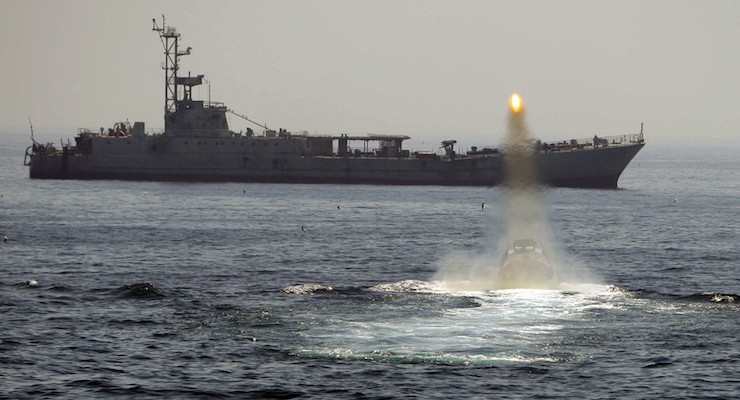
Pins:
<point x="524" y="214"/>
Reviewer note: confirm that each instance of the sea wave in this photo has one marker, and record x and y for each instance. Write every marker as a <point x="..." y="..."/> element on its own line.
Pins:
<point x="712" y="297"/>
<point x="407" y="285"/>
<point x="142" y="290"/>
<point x="306" y="288"/>
<point x="426" y="357"/>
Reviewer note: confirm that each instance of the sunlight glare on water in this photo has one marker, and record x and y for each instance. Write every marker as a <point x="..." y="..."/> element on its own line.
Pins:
<point x="489" y="328"/>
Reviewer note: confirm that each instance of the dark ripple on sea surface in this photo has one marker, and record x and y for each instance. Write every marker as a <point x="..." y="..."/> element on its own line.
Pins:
<point x="150" y="290"/>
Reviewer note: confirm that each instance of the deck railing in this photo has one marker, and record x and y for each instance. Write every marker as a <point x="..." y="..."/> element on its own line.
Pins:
<point x="596" y="141"/>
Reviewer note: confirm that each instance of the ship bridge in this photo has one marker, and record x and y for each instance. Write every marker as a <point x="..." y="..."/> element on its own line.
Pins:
<point x="183" y="116"/>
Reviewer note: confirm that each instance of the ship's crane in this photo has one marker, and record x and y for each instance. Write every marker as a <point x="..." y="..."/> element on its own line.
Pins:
<point x="244" y="117"/>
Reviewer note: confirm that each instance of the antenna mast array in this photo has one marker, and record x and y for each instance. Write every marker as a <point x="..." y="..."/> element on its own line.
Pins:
<point x="170" y="38"/>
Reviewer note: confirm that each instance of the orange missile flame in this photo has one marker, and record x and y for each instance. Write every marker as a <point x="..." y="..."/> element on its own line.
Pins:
<point x="515" y="102"/>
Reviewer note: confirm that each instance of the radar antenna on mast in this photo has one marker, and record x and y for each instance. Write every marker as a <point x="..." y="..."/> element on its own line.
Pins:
<point x="170" y="41"/>
<point x="180" y="108"/>
<point x="31" y="125"/>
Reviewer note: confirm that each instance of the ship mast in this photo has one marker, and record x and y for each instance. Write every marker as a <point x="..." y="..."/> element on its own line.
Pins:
<point x="170" y="41"/>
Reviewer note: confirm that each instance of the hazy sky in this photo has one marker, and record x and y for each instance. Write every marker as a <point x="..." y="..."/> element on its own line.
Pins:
<point x="429" y="69"/>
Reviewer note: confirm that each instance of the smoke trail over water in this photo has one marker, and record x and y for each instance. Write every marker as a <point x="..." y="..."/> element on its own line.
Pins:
<point x="523" y="215"/>
<point x="524" y="208"/>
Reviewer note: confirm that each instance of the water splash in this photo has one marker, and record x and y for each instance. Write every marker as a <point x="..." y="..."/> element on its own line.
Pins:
<point x="424" y="323"/>
<point x="306" y="288"/>
<point x="525" y="215"/>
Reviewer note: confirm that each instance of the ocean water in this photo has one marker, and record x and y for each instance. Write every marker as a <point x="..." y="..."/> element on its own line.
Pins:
<point x="113" y="289"/>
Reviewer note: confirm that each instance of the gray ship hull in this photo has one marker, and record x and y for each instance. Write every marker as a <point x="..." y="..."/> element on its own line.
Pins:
<point x="240" y="159"/>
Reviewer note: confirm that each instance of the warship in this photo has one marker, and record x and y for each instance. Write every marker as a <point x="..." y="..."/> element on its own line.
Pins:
<point x="197" y="145"/>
